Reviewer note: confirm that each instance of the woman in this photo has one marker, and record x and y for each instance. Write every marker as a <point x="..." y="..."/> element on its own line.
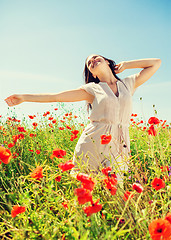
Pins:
<point x="110" y="100"/>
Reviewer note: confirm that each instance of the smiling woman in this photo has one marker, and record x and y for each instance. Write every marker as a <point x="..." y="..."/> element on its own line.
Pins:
<point x="92" y="71"/>
<point x="110" y="100"/>
<point x="93" y="61"/>
<point x="110" y="115"/>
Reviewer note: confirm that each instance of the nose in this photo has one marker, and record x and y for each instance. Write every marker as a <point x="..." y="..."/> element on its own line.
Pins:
<point x="94" y="61"/>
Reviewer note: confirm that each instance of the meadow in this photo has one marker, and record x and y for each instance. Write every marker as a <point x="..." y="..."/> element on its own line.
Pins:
<point x="39" y="199"/>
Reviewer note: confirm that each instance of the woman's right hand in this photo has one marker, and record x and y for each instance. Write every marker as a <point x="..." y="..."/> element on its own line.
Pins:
<point x="120" y="67"/>
<point x="14" y="99"/>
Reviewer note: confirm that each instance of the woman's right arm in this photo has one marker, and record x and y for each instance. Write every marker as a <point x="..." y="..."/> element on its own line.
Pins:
<point x="66" y="96"/>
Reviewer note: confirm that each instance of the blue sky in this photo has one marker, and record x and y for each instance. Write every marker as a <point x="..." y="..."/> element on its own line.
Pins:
<point x="44" y="44"/>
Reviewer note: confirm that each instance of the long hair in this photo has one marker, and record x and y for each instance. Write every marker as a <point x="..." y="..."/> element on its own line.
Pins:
<point x="88" y="77"/>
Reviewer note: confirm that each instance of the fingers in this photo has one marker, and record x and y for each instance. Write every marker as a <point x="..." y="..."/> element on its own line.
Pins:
<point x="9" y="104"/>
<point x="118" y="68"/>
<point x="9" y="101"/>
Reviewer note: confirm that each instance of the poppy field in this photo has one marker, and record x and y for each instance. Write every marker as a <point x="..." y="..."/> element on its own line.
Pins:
<point x="40" y="199"/>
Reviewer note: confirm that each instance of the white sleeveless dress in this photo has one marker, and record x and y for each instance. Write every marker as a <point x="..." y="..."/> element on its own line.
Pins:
<point x="109" y="115"/>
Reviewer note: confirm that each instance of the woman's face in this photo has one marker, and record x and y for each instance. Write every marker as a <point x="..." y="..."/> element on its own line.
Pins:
<point x="94" y="62"/>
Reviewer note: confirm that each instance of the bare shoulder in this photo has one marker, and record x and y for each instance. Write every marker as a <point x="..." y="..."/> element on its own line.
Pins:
<point x="85" y="95"/>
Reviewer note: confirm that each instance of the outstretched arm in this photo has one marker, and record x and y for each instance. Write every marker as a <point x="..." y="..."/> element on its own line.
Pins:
<point x="66" y="96"/>
<point x="150" y="65"/>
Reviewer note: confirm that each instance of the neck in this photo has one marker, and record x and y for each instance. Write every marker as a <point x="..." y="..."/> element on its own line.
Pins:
<point x="107" y="77"/>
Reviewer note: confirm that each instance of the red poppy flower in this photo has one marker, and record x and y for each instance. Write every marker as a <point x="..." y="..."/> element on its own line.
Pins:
<point x="113" y="190"/>
<point x="15" y="138"/>
<point x="134" y="115"/>
<point x="38" y="151"/>
<point x="21" y="129"/>
<point x="127" y="194"/>
<point x="158" y="183"/>
<point x="87" y="182"/>
<point x="10" y="145"/>
<point x="66" y="166"/>
<point x="110" y="184"/>
<point x="34" y="124"/>
<point x="152" y="131"/>
<point x="106" y="170"/>
<point x="105" y="139"/>
<point x="75" y="132"/>
<point x="137" y="187"/>
<point x="37" y="173"/>
<point x="31" y="150"/>
<point x="55" y="109"/>
<point x="17" y="210"/>
<point x="50" y="118"/>
<point x="84" y="195"/>
<point x="31" y="117"/>
<point x="19" y="136"/>
<point x="113" y="179"/>
<point x="73" y="137"/>
<point x="59" y="153"/>
<point x="32" y="135"/>
<point x="159" y="229"/>
<point x="58" y="178"/>
<point x="93" y="209"/>
<point x="153" y="120"/>
<point x="168" y="217"/>
<point x="68" y="127"/>
<point x="5" y="155"/>
<point x="164" y="168"/>
<point x="54" y="121"/>
<point x="65" y="205"/>
<point x="61" y="128"/>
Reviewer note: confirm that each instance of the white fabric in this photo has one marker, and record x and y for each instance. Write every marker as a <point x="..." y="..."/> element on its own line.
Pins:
<point x="109" y="115"/>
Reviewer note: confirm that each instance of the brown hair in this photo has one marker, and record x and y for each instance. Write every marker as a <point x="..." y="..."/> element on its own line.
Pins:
<point x="88" y="77"/>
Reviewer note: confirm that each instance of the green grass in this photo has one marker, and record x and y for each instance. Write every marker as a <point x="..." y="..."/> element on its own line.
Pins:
<point x="46" y="218"/>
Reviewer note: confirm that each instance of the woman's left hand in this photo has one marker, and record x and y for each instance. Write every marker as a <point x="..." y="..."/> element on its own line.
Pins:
<point x="120" y="67"/>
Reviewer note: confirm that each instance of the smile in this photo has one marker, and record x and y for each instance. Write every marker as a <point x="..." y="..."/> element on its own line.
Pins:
<point x="96" y="63"/>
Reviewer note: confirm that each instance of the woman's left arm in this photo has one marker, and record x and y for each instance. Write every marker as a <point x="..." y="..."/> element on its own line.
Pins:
<point x="150" y="65"/>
